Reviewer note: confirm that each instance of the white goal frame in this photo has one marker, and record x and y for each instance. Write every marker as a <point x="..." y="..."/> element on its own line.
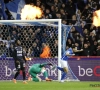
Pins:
<point x="43" y="21"/>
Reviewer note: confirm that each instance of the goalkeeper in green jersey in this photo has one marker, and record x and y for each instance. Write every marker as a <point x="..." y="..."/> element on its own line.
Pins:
<point x="36" y="69"/>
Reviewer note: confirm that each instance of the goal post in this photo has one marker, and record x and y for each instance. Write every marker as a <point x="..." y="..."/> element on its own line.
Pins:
<point x="34" y="36"/>
<point x="49" y="22"/>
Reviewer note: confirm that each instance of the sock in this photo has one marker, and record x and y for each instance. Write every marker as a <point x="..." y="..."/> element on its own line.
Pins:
<point x="61" y="69"/>
<point x="24" y="75"/>
<point x="45" y="74"/>
<point x="17" y="73"/>
<point x="63" y="75"/>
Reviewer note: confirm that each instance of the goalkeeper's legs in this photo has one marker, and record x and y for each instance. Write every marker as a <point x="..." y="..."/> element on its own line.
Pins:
<point x="35" y="77"/>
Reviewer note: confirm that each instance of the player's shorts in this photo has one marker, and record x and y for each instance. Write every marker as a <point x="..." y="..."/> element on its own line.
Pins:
<point x="34" y="71"/>
<point x="20" y="65"/>
<point x="64" y="63"/>
<point x="35" y="79"/>
<point x="33" y="74"/>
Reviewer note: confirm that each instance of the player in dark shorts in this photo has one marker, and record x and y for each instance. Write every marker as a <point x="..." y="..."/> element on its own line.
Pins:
<point x="20" y="61"/>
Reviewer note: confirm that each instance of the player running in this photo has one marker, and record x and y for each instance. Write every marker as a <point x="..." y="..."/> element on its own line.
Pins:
<point x="64" y="66"/>
<point x="38" y="68"/>
<point x="19" y="58"/>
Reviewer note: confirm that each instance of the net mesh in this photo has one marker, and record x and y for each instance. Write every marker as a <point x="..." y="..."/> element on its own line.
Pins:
<point x="33" y="39"/>
<point x="39" y="41"/>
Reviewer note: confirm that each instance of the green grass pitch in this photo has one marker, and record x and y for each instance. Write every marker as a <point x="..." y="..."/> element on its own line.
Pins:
<point x="54" y="85"/>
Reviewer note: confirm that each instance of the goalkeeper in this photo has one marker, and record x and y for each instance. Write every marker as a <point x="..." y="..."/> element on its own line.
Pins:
<point x="35" y="69"/>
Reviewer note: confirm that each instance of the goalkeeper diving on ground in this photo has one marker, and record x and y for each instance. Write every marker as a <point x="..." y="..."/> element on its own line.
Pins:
<point x="36" y="69"/>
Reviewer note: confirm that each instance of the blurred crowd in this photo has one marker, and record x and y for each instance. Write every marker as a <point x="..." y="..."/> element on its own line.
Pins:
<point x="72" y="12"/>
<point x="37" y="41"/>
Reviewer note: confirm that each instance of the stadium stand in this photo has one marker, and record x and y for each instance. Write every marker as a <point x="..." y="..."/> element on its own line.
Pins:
<point x="72" y="12"/>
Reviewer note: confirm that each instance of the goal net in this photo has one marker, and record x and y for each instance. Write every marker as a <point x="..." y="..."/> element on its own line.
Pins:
<point x="41" y="40"/>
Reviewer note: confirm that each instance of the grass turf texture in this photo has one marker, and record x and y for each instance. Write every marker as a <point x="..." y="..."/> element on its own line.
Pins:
<point x="9" y="85"/>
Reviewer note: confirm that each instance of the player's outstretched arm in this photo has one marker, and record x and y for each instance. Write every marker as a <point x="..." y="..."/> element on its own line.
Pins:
<point x="78" y="50"/>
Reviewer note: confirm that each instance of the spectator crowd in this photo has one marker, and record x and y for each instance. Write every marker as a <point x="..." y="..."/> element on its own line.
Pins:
<point x="37" y="41"/>
<point x="35" y="38"/>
